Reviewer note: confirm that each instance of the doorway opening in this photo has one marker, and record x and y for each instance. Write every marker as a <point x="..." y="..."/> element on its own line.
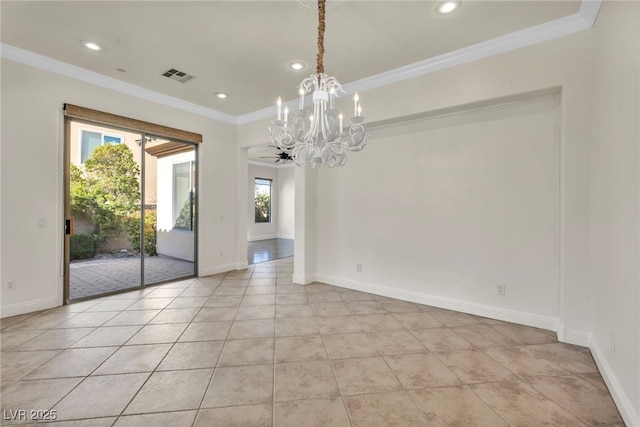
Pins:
<point x="131" y="207"/>
<point x="271" y="202"/>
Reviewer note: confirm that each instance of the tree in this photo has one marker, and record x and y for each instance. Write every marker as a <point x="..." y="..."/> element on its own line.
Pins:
<point x="263" y="207"/>
<point x="132" y="225"/>
<point x="107" y="190"/>
<point x="187" y="217"/>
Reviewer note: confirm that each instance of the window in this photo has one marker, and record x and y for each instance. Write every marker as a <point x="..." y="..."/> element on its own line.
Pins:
<point x="263" y="200"/>
<point x="183" y="195"/>
<point x="91" y="140"/>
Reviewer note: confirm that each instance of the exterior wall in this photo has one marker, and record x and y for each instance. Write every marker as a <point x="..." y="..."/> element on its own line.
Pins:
<point x="171" y="242"/>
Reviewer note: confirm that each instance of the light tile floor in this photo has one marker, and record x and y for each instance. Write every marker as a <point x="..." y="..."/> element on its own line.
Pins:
<point x="249" y="348"/>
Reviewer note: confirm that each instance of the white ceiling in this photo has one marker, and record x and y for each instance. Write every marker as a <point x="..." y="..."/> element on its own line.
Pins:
<point x="243" y="47"/>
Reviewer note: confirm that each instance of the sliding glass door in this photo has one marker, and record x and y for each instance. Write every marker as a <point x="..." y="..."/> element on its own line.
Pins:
<point x="170" y="221"/>
<point x="131" y="204"/>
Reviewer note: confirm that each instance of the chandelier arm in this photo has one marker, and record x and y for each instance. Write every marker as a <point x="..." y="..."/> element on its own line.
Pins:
<point x="313" y="129"/>
<point x="323" y="126"/>
<point x="321" y="25"/>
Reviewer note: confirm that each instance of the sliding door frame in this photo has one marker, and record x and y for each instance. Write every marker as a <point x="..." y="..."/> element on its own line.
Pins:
<point x="145" y="129"/>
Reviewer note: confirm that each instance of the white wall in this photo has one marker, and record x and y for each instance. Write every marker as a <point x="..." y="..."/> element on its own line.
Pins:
<point x="450" y="207"/>
<point x="615" y="200"/>
<point x="286" y="203"/>
<point x="32" y="179"/>
<point x="263" y="230"/>
<point x="561" y="65"/>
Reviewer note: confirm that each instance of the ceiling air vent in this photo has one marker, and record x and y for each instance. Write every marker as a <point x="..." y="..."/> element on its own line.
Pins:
<point x="179" y="76"/>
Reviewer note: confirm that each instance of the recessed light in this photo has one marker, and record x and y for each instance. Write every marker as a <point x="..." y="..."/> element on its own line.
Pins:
<point x="296" y="65"/>
<point x="221" y="95"/>
<point x="448" y="7"/>
<point x="91" y="45"/>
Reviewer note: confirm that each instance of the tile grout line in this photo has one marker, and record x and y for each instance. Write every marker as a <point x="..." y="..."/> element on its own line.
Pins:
<point x="551" y="351"/>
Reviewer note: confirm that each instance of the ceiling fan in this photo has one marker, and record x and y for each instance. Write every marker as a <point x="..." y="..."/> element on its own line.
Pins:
<point x="282" y="156"/>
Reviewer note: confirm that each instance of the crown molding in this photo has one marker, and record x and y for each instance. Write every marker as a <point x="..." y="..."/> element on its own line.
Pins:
<point x="582" y="20"/>
<point x="589" y="11"/>
<point x="271" y="165"/>
<point x="45" y="63"/>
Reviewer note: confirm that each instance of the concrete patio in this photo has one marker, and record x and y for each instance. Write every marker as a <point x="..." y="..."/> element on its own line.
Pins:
<point x="95" y="277"/>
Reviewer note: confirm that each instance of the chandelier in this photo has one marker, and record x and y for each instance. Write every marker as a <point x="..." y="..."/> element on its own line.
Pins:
<point x="318" y="138"/>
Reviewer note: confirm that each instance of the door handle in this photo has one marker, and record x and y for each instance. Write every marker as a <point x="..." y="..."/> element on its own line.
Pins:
<point x="68" y="226"/>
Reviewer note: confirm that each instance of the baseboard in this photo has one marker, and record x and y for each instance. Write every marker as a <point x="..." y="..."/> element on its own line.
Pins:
<point x="286" y="236"/>
<point x="630" y="417"/>
<point x="572" y="336"/>
<point x="266" y="237"/>
<point x="242" y="265"/>
<point x="521" y="318"/>
<point x="208" y="271"/>
<point x="28" y="307"/>
<point x="303" y="279"/>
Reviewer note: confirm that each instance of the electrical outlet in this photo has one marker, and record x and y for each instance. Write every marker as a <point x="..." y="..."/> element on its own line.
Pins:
<point x="358" y="268"/>
<point x="501" y="289"/>
<point x="11" y="285"/>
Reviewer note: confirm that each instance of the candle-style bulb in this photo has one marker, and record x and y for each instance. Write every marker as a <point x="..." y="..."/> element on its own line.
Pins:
<point x="286" y="113"/>
<point x="356" y="98"/>
<point x="279" y="108"/>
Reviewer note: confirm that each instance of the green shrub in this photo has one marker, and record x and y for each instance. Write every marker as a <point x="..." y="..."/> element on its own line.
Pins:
<point x="105" y="190"/>
<point x="82" y="246"/>
<point x="133" y="232"/>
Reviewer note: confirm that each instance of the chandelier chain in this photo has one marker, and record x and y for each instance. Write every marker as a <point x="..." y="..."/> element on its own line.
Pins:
<point x="321" y="24"/>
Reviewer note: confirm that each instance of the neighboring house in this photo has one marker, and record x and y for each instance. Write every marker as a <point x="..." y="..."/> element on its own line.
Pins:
<point x="176" y="204"/>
